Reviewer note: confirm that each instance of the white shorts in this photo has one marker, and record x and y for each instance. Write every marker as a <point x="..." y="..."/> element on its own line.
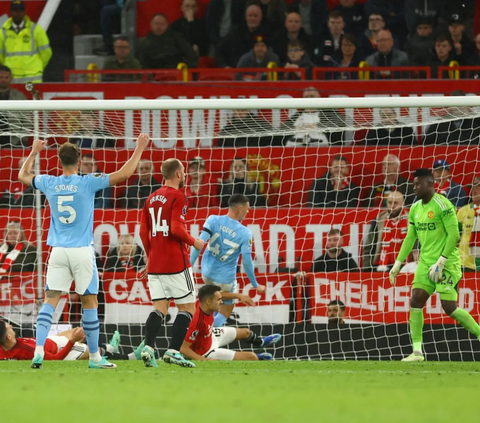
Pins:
<point x="75" y="353"/>
<point x="226" y="287"/>
<point x="179" y="287"/>
<point x="66" y="265"/>
<point x="221" y="337"/>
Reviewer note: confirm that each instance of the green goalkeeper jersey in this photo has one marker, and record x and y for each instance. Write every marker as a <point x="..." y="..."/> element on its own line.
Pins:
<point x="435" y="224"/>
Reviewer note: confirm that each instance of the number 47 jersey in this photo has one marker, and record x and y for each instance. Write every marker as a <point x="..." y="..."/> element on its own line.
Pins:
<point x="228" y="238"/>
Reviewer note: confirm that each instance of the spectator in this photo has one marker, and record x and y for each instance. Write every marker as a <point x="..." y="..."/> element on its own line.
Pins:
<point x="109" y="16"/>
<point x="387" y="55"/>
<point x="122" y="60"/>
<point x="393" y="12"/>
<point x="103" y="197"/>
<point x="292" y="31"/>
<point x="334" y="189"/>
<point x="126" y="256"/>
<point x="442" y="55"/>
<point x="386" y="234"/>
<point x="258" y="57"/>
<point x="303" y="8"/>
<point x="24" y="46"/>
<point x="392" y="133"/>
<point x="244" y="129"/>
<point x="445" y="186"/>
<point x="353" y="16"/>
<point x="15" y="196"/>
<point x="238" y="41"/>
<point x="163" y="48"/>
<point x="239" y="182"/>
<point x="16" y="253"/>
<point x="419" y="46"/>
<point x="12" y="121"/>
<point x="297" y="58"/>
<point x="192" y="29"/>
<point x="138" y="192"/>
<point x="349" y="56"/>
<point x="318" y="18"/>
<point x="310" y="125"/>
<point x="464" y="130"/>
<point x="416" y="9"/>
<point x="464" y="10"/>
<point x="392" y="181"/>
<point x="475" y="58"/>
<point x="90" y="135"/>
<point x="273" y="12"/>
<point x="463" y="47"/>
<point x="221" y="16"/>
<point x="331" y="41"/>
<point x="335" y="258"/>
<point x="199" y="192"/>
<point x="336" y="313"/>
<point x="469" y="222"/>
<point x="368" y="43"/>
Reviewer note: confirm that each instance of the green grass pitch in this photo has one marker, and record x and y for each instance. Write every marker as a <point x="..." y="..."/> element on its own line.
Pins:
<point x="270" y="392"/>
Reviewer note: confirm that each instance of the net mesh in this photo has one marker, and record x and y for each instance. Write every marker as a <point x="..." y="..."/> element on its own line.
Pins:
<point x="306" y="172"/>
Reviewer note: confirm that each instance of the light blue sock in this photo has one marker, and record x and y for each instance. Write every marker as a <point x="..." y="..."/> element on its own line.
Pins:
<point x="44" y="323"/>
<point x="219" y="320"/>
<point x="91" y="327"/>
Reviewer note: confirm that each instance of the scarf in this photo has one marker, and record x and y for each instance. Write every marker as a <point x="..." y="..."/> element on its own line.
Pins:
<point x="381" y="194"/>
<point x="393" y="234"/>
<point x="127" y="264"/>
<point x="345" y="183"/>
<point x="10" y="257"/>
<point x="475" y="236"/>
<point x="444" y="189"/>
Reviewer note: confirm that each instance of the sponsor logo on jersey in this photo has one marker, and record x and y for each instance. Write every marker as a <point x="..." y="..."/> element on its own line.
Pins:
<point x="97" y="175"/>
<point x="425" y="226"/>
<point x="184" y="211"/>
<point x="430" y="214"/>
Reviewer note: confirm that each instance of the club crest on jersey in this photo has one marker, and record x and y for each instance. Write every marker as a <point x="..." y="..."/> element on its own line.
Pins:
<point x="430" y="214"/>
<point x="184" y="211"/>
<point x="97" y="175"/>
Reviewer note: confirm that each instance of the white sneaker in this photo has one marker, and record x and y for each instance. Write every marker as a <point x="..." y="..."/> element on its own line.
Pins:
<point x="415" y="356"/>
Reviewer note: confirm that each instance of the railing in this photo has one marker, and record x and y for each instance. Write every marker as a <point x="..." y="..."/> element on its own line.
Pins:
<point x="231" y="74"/>
<point x="146" y="75"/>
<point x="368" y="73"/>
<point x="458" y="72"/>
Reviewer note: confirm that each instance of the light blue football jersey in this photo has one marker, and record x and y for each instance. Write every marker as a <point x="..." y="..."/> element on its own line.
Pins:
<point x="228" y="239"/>
<point x="71" y="200"/>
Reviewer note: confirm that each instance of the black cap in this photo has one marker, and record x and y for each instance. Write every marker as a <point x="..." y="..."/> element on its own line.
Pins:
<point x="17" y="5"/>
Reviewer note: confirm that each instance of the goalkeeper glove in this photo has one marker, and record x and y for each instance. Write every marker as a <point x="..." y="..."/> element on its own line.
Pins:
<point x="436" y="271"/>
<point x="394" y="272"/>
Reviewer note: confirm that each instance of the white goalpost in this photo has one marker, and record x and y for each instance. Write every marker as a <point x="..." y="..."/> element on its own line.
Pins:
<point x="283" y="153"/>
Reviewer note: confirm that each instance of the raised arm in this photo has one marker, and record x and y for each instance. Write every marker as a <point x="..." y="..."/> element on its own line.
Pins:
<point x="129" y="167"/>
<point x="26" y="174"/>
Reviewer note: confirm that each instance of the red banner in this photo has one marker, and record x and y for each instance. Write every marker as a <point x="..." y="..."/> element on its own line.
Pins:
<point x="369" y="297"/>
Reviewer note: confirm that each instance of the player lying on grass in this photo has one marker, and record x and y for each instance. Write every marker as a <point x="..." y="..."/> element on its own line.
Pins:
<point x="227" y="239"/>
<point x="68" y="345"/>
<point x="432" y="219"/>
<point x="203" y="342"/>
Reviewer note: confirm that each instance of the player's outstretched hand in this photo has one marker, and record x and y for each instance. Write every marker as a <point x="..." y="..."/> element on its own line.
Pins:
<point x="435" y="272"/>
<point x="142" y="141"/>
<point x="198" y="244"/>
<point x="38" y="145"/>
<point x="77" y="335"/>
<point x="261" y="289"/>
<point x="394" y="272"/>
<point x="245" y="299"/>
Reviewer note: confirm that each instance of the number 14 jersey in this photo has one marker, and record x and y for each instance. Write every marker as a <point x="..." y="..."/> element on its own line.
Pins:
<point x="164" y="215"/>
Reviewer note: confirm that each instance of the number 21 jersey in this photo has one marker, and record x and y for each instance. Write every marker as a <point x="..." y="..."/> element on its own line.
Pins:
<point x="164" y="215"/>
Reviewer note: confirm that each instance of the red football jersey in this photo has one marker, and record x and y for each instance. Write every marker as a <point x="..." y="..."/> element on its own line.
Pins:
<point x="163" y="219"/>
<point x="200" y="332"/>
<point x="24" y="349"/>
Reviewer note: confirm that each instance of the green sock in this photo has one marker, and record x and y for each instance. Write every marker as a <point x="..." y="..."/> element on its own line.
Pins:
<point x="416" y="327"/>
<point x="467" y="321"/>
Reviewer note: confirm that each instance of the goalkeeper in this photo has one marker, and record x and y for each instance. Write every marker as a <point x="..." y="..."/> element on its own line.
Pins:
<point x="432" y="219"/>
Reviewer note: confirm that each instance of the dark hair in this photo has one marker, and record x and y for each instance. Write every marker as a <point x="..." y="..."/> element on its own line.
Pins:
<point x="338" y="303"/>
<point x="169" y="167"/>
<point x="333" y="14"/>
<point x="122" y="38"/>
<point x="69" y="154"/>
<point x="159" y="14"/>
<point x="3" y="332"/>
<point x="339" y="158"/>
<point x="423" y="173"/>
<point x="5" y="69"/>
<point x="295" y="44"/>
<point x="351" y="38"/>
<point x="424" y="20"/>
<point x="443" y="37"/>
<point x="334" y="231"/>
<point x="458" y="93"/>
<point x="88" y="156"/>
<point x="207" y="291"/>
<point x="377" y="14"/>
<point x="237" y="200"/>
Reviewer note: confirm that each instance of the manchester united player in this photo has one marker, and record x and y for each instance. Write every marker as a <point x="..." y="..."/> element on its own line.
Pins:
<point x="165" y="239"/>
<point x="203" y="341"/>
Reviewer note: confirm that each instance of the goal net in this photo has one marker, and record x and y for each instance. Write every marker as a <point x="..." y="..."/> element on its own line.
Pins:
<point x="330" y="185"/>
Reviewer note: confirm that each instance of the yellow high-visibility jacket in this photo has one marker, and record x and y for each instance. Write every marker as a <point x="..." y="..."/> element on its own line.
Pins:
<point x="26" y="53"/>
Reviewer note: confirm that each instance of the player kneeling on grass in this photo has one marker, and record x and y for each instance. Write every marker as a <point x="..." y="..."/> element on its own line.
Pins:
<point x="433" y="220"/>
<point x="203" y="341"/>
<point x="67" y="346"/>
